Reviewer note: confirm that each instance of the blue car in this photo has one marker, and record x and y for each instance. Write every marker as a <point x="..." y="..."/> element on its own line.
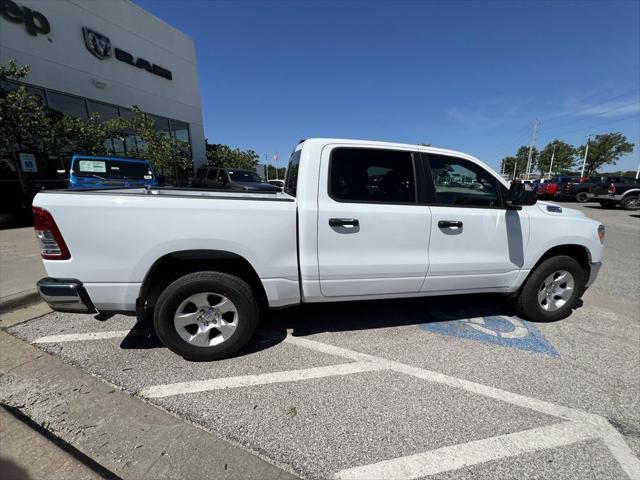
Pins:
<point x="100" y="172"/>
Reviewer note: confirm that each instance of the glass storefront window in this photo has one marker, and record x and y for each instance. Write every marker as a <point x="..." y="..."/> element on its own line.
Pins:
<point x="67" y="104"/>
<point x="106" y="112"/>
<point x="161" y="124"/>
<point x="180" y="130"/>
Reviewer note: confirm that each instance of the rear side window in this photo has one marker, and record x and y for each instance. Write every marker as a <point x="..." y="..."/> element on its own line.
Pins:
<point x="459" y="182"/>
<point x="364" y="175"/>
<point x="291" y="179"/>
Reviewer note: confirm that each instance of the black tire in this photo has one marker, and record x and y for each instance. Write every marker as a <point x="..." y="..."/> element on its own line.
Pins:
<point x="224" y="284"/>
<point x="526" y="302"/>
<point x="607" y="204"/>
<point x="630" y="203"/>
<point x="582" y="197"/>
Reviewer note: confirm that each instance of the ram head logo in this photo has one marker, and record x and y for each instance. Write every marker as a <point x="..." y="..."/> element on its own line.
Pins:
<point x="97" y="44"/>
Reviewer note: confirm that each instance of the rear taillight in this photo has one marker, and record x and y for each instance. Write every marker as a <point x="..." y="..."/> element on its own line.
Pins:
<point x="601" y="233"/>
<point x="52" y="246"/>
<point x="612" y="188"/>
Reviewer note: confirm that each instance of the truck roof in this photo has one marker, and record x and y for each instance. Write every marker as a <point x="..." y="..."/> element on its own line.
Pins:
<point x="376" y="143"/>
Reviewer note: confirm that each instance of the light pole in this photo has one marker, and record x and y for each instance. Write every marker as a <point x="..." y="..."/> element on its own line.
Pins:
<point x="586" y="152"/>
<point x="553" y="156"/>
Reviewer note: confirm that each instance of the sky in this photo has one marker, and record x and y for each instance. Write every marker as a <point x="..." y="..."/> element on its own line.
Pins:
<point x="465" y="75"/>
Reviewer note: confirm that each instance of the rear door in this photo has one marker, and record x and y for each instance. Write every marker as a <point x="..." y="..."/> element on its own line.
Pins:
<point x="475" y="242"/>
<point x="373" y="234"/>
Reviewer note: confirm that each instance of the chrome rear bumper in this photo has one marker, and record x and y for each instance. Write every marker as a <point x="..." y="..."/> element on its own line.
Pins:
<point x="65" y="295"/>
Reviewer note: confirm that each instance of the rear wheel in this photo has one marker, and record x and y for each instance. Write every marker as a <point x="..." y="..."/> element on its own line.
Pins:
<point x="206" y="315"/>
<point x="632" y="202"/>
<point x="582" y="197"/>
<point x="552" y="290"/>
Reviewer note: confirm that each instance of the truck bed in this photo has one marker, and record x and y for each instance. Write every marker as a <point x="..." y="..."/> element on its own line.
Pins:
<point x="116" y="235"/>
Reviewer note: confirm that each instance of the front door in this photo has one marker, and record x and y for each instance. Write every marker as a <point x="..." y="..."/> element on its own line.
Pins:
<point x="373" y="236"/>
<point x="475" y="242"/>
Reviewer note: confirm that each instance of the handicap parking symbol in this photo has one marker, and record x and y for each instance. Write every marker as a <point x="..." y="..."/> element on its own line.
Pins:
<point x="507" y="331"/>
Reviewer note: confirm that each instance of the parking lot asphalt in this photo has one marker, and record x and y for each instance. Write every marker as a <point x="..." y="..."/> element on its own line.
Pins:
<point x="449" y="387"/>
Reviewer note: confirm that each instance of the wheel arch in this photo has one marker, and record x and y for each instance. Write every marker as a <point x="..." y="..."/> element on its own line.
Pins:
<point x="580" y="253"/>
<point x="174" y="265"/>
<point x="633" y="191"/>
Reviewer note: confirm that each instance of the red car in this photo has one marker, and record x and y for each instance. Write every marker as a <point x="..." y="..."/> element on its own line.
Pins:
<point x="552" y="188"/>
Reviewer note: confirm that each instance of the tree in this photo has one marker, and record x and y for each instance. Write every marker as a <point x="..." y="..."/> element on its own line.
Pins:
<point x="23" y="119"/>
<point x="507" y="165"/>
<point x="604" y="149"/>
<point x="521" y="158"/>
<point x="163" y="151"/>
<point x="223" y="156"/>
<point x="563" y="159"/>
<point x="73" y="134"/>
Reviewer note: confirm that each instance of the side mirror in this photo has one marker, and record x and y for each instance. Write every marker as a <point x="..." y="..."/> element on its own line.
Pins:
<point x="520" y="194"/>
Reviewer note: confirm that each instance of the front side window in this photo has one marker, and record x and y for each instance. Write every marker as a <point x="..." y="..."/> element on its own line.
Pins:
<point x="459" y="182"/>
<point x="371" y="175"/>
<point x="222" y="176"/>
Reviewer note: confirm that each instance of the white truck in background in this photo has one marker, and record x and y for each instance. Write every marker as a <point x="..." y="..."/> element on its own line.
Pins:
<point x="357" y="220"/>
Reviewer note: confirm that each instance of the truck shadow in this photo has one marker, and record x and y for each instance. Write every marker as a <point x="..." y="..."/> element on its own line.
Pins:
<point x="310" y="319"/>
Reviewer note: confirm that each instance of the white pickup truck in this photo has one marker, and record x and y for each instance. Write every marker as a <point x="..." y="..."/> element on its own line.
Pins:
<point x="357" y="220"/>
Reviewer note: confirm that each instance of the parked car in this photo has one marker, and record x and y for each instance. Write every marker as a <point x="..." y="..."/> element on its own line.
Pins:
<point x="202" y="263"/>
<point x="231" y="179"/>
<point x="579" y="189"/>
<point x="551" y="189"/>
<point x="99" y="172"/>
<point x="625" y="192"/>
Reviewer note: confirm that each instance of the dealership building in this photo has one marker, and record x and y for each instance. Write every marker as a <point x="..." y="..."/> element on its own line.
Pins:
<point x="106" y="56"/>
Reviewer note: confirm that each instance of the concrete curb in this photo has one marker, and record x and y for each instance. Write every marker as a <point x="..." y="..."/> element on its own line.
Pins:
<point x="19" y="300"/>
<point x="123" y="434"/>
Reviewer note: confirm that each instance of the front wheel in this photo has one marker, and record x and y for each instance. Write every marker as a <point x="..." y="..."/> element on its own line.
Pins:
<point x="552" y="290"/>
<point x="206" y="315"/>
<point x="582" y="197"/>
<point x="631" y="202"/>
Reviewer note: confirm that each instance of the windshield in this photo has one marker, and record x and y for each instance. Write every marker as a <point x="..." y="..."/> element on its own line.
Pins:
<point x="244" y="176"/>
<point x="112" y="169"/>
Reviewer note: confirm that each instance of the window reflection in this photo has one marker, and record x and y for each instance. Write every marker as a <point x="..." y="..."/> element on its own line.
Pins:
<point x="67" y="104"/>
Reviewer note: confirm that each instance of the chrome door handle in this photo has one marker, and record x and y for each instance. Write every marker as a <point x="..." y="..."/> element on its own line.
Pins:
<point x="343" y="222"/>
<point x="449" y="224"/>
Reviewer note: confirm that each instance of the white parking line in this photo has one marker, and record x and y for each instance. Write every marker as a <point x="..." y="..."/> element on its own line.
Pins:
<point x="581" y="426"/>
<point x="473" y="453"/>
<point x="601" y="427"/>
<point x="262" y="379"/>
<point x="78" y="337"/>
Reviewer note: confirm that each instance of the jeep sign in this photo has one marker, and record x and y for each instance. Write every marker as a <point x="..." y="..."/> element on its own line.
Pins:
<point x="34" y="22"/>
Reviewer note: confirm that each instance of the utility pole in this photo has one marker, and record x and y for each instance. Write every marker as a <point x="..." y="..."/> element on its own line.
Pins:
<point x="266" y="166"/>
<point x="536" y="122"/>
<point x="553" y="156"/>
<point x="638" y="172"/>
<point x="586" y="152"/>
